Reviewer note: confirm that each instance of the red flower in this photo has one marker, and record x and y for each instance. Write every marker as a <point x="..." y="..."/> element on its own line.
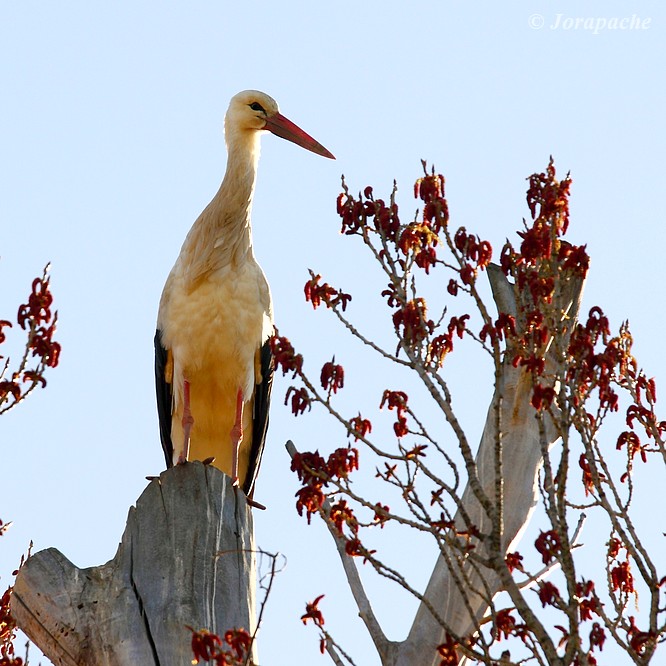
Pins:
<point x="622" y="578"/>
<point x="542" y="396"/>
<point x="597" y="636"/>
<point x="396" y="400"/>
<point x="313" y="613"/>
<point x="588" y="480"/>
<point x="360" y="427"/>
<point x="300" y="400"/>
<point x="332" y="376"/>
<point x="467" y="274"/>
<point x="324" y="293"/>
<point x="8" y="387"/>
<point x="4" y="323"/>
<point x="448" y="652"/>
<point x="284" y="355"/>
<point x="342" y="462"/>
<point x="504" y="625"/>
<point x="548" y="544"/>
<point x="204" y="645"/>
<point x="381" y="514"/>
<point x="342" y="514"/>
<point x="514" y="561"/>
<point x="411" y="322"/>
<point x="548" y="594"/>
<point x="614" y="546"/>
<point x="354" y="548"/>
<point x="38" y="308"/>
<point x="239" y="641"/>
<point x="309" y="499"/>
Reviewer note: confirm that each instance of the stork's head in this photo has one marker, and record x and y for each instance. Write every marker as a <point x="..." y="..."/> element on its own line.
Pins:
<point x="251" y="111"/>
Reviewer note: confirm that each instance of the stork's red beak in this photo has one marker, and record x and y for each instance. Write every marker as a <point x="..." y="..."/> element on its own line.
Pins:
<point x="285" y="129"/>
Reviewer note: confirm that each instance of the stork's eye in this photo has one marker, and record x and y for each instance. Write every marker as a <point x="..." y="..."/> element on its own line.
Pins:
<point x="255" y="106"/>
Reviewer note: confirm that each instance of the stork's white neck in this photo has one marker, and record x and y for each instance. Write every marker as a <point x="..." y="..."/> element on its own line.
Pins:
<point x="222" y="235"/>
<point x="234" y="198"/>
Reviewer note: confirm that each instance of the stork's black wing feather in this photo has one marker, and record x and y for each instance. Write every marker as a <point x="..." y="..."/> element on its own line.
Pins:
<point x="262" y="400"/>
<point x="164" y="398"/>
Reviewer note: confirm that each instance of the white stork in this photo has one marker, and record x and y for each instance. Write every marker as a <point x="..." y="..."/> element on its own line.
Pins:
<point x="213" y="365"/>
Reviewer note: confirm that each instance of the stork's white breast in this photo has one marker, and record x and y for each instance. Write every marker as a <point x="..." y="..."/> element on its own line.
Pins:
<point x="216" y="326"/>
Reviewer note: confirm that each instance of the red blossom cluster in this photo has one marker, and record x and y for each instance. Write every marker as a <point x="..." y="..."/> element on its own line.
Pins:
<point x="503" y="328"/>
<point x="591" y="369"/>
<point x="287" y="360"/>
<point x="514" y="561"/>
<point x="37" y="318"/>
<point x="505" y="625"/>
<point x="332" y="377"/>
<point x="419" y="238"/>
<point x="622" y="579"/>
<point x="284" y="355"/>
<point x="548" y="594"/>
<point x="7" y="628"/>
<point x="588" y="478"/>
<point x="411" y="322"/>
<point x="207" y="646"/>
<point x="360" y="215"/>
<point x="314" y="614"/>
<point x="448" y="651"/>
<point x="341" y="514"/>
<point x="642" y="410"/>
<point x="639" y="640"/>
<point x="315" y="473"/>
<point x="589" y="602"/>
<point x="442" y="344"/>
<point x="543" y="261"/>
<point x="551" y="196"/>
<point x="397" y="400"/>
<point x="300" y="400"/>
<point x="548" y="545"/>
<point x="360" y="427"/>
<point x="317" y="294"/>
<point x="475" y="253"/>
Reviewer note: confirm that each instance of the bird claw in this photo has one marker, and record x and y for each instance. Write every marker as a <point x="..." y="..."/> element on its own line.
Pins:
<point x="256" y="505"/>
<point x="235" y="482"/>
<point x="208" y="461"/>
<point x="152" y="478"/>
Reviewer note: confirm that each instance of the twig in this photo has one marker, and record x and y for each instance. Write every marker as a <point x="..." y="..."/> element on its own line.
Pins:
<point x="356" y="586"/>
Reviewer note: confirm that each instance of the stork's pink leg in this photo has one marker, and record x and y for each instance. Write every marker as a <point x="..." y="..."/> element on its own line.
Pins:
<point x="188" y="422"/>
<point x="237" y="437"/>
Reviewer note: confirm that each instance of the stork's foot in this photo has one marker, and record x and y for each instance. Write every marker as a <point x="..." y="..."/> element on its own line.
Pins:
<point x="208" y="461"/>
<point x="235" y="482"/>
<point x="182" y="459"/>
<point x="152" y="478"/>
<point x="255" y="505"/>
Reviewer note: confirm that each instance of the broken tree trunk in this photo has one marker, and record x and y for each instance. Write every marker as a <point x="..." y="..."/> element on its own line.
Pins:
<point x="449" y="590"/>
<point x="186" y="559"/>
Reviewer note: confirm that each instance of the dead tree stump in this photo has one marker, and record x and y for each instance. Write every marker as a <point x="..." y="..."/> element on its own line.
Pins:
<point x="186" y="558"/>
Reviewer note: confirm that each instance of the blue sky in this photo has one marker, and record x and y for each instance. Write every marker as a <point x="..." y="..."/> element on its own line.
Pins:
<point x="111" y="135"/>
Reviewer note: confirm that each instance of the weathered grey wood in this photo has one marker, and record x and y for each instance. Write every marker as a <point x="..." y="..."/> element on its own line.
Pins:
<point x="522" y="457"/>
<point x="186" y="558"/>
